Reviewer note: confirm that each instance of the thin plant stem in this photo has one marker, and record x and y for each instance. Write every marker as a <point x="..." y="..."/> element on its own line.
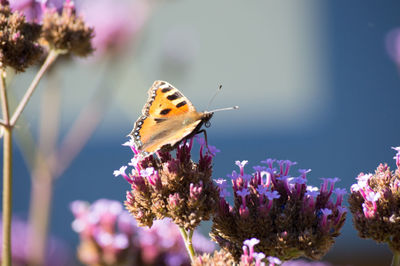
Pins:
<point x="188" y="242"/>
<point x="7" y="174"/>
<point x="396" y="254"/>
<point x="396" y="258"/>
<point x="51" y="57"/>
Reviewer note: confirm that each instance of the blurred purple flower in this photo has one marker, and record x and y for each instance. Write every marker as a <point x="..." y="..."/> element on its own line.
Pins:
<point x="56" y="251"/>
<point x="393" y="45"/>
<point x="115" y="22"/>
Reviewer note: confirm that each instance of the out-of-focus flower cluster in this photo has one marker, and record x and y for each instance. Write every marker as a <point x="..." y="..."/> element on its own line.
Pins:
<point x="289" y="218"/>
<point x="56" y="251"/>
<point x="177" y="188"/>
<point x="115" y="24"/>
<point x="375" y="204"/>
<point x="109" y="236"/>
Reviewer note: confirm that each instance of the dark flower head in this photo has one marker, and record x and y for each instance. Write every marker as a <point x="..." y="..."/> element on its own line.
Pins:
<point x="288" y="218"/>
<point x="66" y="31"/>
<point x="375" y="204"/>
<point x="18" y="39"/>
<point x="178" y="188"/>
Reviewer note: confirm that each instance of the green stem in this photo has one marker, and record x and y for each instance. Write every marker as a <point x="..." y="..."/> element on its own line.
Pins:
<point x="7" y="195"/>
<point x="51" y="57"/>
<point x="396" y="258"/>
<point x="7" y="174"/>
<point x="188" y="242"/>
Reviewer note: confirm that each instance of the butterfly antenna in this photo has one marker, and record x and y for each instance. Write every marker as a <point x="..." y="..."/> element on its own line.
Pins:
<point x="215" y="94"/>
<point x="225" y="109"/>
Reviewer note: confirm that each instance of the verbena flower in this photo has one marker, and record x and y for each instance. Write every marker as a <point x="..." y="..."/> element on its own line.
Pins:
<point x="110" y="236"/>
<point x="375" y="204"/>
<point x="171" y="186"/>
<point x="19" y="46"/>
<point x="289" y="218"/>
<point x="56" y="251"/>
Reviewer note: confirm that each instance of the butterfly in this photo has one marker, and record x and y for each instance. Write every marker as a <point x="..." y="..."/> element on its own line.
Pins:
<point x="167" y="118"/>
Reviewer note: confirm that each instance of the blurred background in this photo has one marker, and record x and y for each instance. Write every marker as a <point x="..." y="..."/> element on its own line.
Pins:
<point x="317" y="82"/>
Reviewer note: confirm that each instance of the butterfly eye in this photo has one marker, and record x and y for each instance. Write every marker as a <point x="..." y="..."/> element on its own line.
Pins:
<point x="207" y="124"/>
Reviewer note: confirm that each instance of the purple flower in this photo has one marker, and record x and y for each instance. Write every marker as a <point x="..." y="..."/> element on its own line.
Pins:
<point x="393" y="45"/>
<point x="241" y="165"/>
<point x="147" y="172"/>
<point x="243" y="193"/>
<point x="304" y="172"/>
<point x="273" y="260"/>
<point x="262" y="190"/>
<point x="269" y="162"/>
<point x="272" y="195"/>
<point x="248" y="250"/>
<point x="340" y="192"/>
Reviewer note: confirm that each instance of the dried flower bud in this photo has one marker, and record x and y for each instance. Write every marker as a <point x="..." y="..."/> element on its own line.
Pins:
<point x="289" y="218"/>
<point x="18" y="39"/>
<point x="375" y="204"/>
<point x="67" y="32"/>
<point x="177" y="188"/>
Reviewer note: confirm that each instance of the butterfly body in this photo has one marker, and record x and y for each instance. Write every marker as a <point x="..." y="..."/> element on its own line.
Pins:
<point x="167" y="118"/>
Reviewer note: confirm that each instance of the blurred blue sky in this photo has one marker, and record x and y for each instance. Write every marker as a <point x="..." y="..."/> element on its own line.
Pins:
<point x="312" y="78"/>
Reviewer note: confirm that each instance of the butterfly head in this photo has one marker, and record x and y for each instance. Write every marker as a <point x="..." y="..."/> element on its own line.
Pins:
<point x="206" y="118"/>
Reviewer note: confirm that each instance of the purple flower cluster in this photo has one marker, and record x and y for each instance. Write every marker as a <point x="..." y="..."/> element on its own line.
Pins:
<point x="289" y="218"/>
<point x="374" y="202"/>
<point x="105" y="230"/>
<point x="109" y="236"/>
<point x="177" y="188"/>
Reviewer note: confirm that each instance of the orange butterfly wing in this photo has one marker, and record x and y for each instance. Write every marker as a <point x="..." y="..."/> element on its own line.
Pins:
<point x="167" y="118"/>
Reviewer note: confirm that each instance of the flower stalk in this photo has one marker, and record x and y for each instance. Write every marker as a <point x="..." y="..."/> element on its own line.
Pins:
<point x="8" y="124"/>
<point x="7" y="173"/>
<point x="187" y="238"/>
<point x="396" y="258"/>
